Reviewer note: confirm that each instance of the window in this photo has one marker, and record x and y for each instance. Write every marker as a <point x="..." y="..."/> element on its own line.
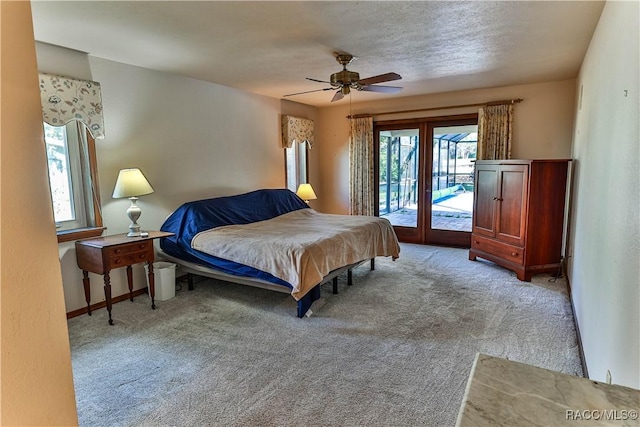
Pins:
<point x="73" y="181"/>
<point x="297" y="137"/>
<point x="296" y="165"/>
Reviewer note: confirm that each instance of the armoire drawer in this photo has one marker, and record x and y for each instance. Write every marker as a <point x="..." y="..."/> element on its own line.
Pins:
<point x="503" y="250"/>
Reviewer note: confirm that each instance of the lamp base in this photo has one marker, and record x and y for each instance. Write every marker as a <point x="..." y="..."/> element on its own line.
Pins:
<point x="134" y="213"/>
<point x="134" y="231"/>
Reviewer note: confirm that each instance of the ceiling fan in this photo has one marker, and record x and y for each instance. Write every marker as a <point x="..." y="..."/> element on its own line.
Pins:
<point x="346" y="80"/>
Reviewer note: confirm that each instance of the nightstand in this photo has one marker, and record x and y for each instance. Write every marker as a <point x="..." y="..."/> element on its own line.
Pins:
<point x="102" y="254"/>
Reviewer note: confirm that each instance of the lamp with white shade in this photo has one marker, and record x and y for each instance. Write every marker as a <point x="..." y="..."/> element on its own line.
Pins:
<point x="131" y="183"/>
<point x="306" y="193"/>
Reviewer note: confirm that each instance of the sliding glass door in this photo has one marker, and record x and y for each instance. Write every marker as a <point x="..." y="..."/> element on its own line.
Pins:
<point x="453" y="155"/>
<point x="426" y="189"/>
<point x="398" y="154"/>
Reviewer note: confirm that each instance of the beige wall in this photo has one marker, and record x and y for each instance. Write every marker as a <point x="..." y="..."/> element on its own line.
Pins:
<point x="36" y="385"/>
<point x="604" y="262"/>
<point x="543" y="125"/>
<point x="192" y="139"/>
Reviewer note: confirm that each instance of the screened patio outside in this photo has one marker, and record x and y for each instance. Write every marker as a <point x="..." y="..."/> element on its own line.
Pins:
<point x="452" y="180"/>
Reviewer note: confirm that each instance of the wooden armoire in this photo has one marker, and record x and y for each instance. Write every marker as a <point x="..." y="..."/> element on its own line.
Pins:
<point x="518" y="214"/>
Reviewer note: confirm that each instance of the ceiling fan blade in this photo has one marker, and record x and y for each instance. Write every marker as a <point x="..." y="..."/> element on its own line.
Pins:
<point x="316" y="80"/>
<point x="382" y="89"/>
<point x="309" y="91"/>
<point x="379" y="79"/>
<point x="338" y="96"/>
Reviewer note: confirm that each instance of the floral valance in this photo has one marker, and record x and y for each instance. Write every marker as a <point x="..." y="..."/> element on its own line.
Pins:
<point x="65" y="99"/>
<point x="296" y="129"/>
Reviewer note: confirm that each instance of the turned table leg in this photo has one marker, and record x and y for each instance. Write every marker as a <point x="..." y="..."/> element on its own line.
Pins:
<point x="107" y="294"/>
<point x="152" y="285"/>
<point x="87" y="289"/>
<point x="130" y="282"/>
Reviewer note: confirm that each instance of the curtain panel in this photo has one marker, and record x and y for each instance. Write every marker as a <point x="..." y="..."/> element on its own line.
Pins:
<point x="495" y="125"/>
<point x="91" y="192"/>
<point x="65" y="99"/>
<point x="361" y="166"/>
<point x="296" y="129"/>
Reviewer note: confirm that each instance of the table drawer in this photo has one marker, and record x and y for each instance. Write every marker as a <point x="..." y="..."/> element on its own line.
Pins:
<point x="503" y="250"/>
<point x="128" y="248"/>
<point x="128" y="259"/>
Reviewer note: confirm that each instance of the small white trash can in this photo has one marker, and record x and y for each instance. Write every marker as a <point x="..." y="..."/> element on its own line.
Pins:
<point x="164" y="274"/>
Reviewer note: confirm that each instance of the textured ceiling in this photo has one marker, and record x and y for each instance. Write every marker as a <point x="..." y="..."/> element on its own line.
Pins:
<point x="269" y="47"/>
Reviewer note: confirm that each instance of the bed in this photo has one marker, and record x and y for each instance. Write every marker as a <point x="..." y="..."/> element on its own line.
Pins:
<point x="272" y="239"/>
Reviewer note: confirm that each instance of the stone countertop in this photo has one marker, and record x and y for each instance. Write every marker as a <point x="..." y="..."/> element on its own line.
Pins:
<point x="501" y="392"/>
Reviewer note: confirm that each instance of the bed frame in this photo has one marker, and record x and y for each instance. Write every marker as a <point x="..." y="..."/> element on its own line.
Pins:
<point x="199" y="270"/>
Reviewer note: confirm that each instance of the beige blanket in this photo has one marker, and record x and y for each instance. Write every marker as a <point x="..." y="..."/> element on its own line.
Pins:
<point x="303" y="246"/>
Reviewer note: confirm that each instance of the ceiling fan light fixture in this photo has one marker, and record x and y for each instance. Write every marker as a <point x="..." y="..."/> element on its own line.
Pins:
<point x="346" y="90"/>
<point x="344" y="77"/>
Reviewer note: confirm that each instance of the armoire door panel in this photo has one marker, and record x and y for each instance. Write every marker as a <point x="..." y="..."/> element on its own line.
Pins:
<point x="512" y="200"/>
<point x="486" y="182"/>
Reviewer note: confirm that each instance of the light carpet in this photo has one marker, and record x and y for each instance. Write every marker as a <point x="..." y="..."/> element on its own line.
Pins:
<point x="394" y="349"/>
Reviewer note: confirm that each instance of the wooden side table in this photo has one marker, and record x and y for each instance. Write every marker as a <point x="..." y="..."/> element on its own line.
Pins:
<point x="102" y="254"/>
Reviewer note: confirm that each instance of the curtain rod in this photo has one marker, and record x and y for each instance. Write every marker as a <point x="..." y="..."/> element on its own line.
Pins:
<point x="483" y="104"/>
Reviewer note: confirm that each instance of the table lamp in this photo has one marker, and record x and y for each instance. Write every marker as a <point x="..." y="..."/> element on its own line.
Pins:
<point x="131" y="183"/>
<point x="306" y="193"/>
